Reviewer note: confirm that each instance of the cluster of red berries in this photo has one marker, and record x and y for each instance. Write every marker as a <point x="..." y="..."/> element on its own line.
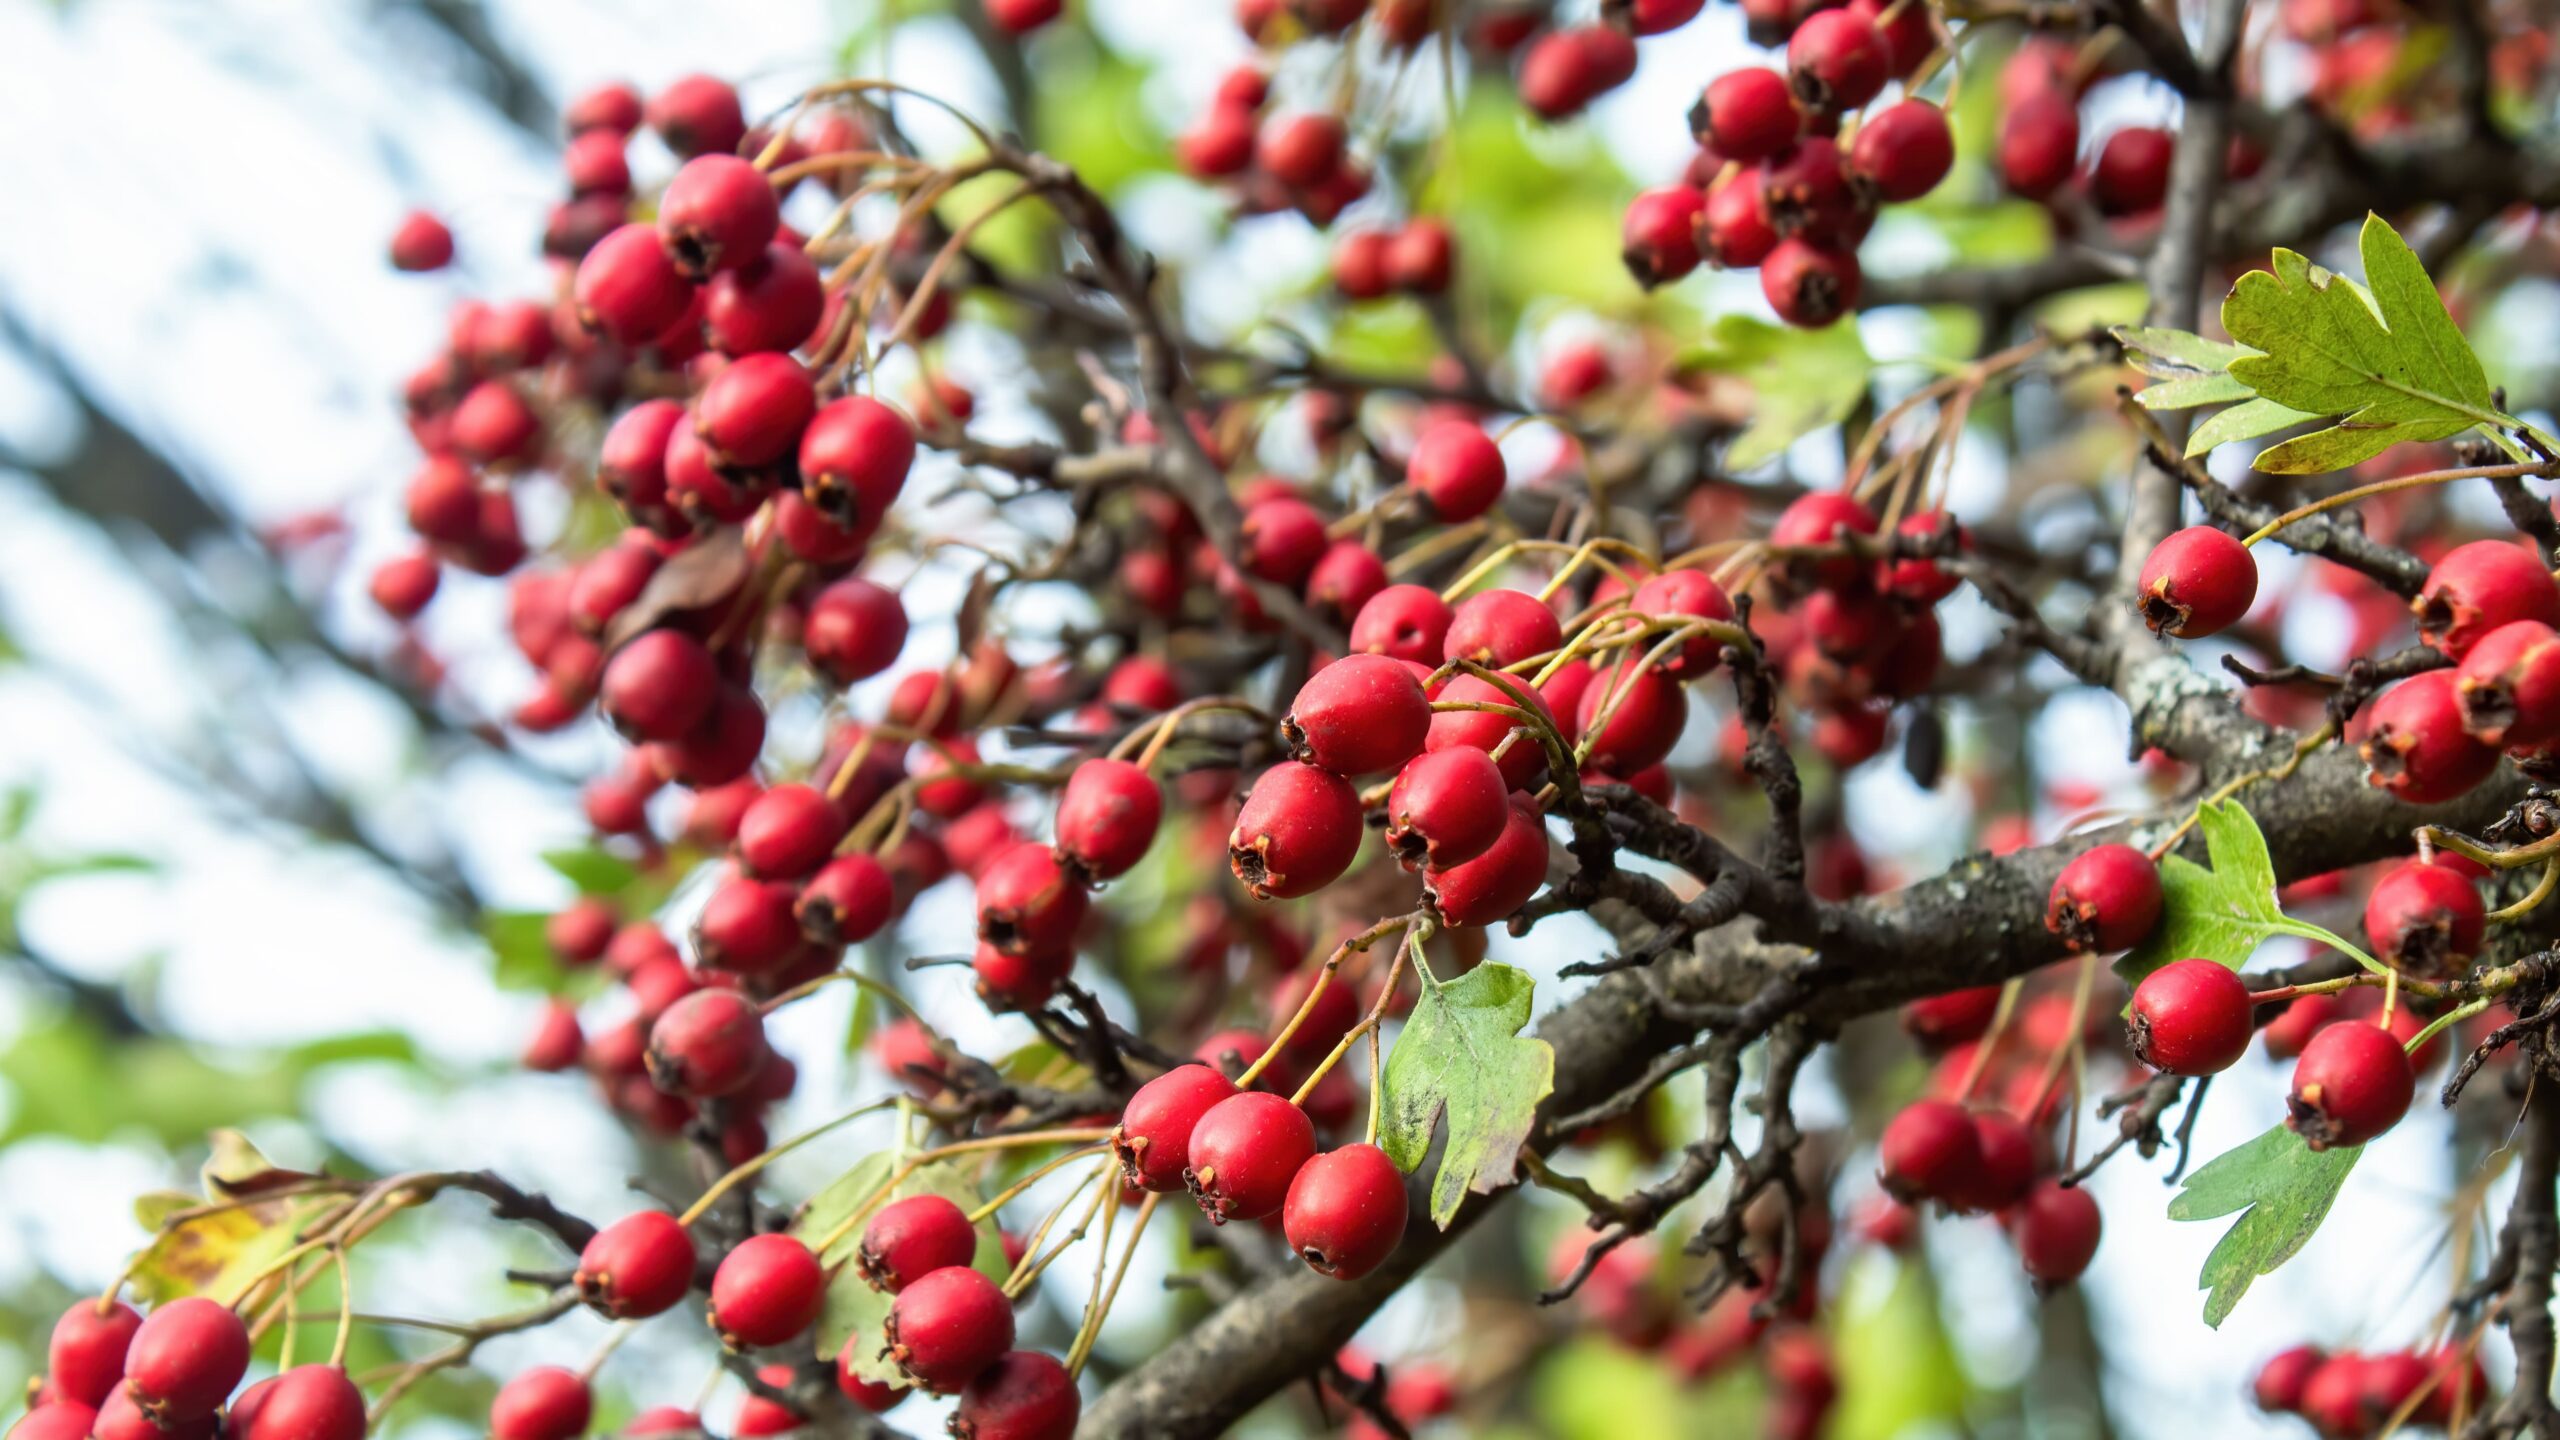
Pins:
<point x="114" y="1374"/>
<point x="2041" y="87"/>
<point x="2352" y="1396"/>
<point x="1784" y="179"/>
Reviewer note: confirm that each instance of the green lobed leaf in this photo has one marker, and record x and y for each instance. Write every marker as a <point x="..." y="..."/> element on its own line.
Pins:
<point x="2176" y="354"/>
<point x="852" y="1308"/>
<point x="2245" y="421"/>
<point x="2285" y="1187"/>
<point x="2387" y="363"/>
<point x="2223" y="913"/>
<point x="2190" y="391"/>
<point x="592" y="870"/>
<point x="1462" y="1054"/>
<point x="1803" y="380"/>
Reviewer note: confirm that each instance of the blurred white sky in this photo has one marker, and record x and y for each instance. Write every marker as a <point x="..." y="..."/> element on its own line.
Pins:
<point x="201" y="193"/>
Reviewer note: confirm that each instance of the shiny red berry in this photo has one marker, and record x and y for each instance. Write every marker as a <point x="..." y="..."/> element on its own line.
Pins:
<point x="1806" y="195"/>
<point x="707" y="1044"/>
<point x="1747" y="115"/>
<point x="698" y="115"/>
<point x="846" y="902"/>
<point x="2132" y="172"/>
<point x="1409" y="622"/>
<point x="628" y="289"/>
<point x="1486" y="730"/>
<point x="1732" y="230"/>
<point x="2006" y="1168"/>
<point x="1107" y="817"/>
<point x="2508" y="686"/>
<point x="1419" y="260"/>
<point x="1297" y="831"/>
<point x="2190" y="1017"/>
<point x="660" y="685"/>
<point x="2352" y="1083"/>
<point x="2056" y="1230"/>
<point x="2425" y="920"/>
<point x="1458" y="469"/>
<point x="1028" y="904"/>
<point x="2416" y="747"/>
<point x="1491" y="886"/>
<point x="1809" y="285"/>
<point x="1023" y="1395"/>
<point x="421" y="243"/>
<point x="1446" y="808"/>
<point x="185" y="1358"/>
<point x="1345" y="1211"/>
<point x="1501" y="628"/>
<point x="854" y="458"/>
<point x="1346" y="577"/>
<point x="2478" y="587"/>
<point x="1822" y="520"/>
<point x="1836" y="61"/>
<point x="638" y="1266"/>
<point x="911" y="1238"/>
<point x="2039" y="144"/>
<point x="85" y="1356"/>
<point x="2107" y="899"/>
<point x="773" y="302"/>
<point x="747" y="926"/>
<point x="544" y="1403"/>
<point x="1928" y="1151"/>
<point x="1902" y="151"/>
<point x="2279" y="1384"/>
<point x="1244" y="1152"/>
<point x="766" y="1291"/>
<point x="947" y="1327"/>
<point x="789" y="831"/>
<point x="1282" y="539"/>
<point x="1153" y="1138"/>
<point x="1645" y="709"/>
<point x="2197" y="582"/>
<point x="1360" y="715"/>
<point x="307" y="1402"/>
<point x="59" y="1420"/>
<point x="1658" y="240"/>
<point x="1565" y="70"/>
<point x="1301" y="150"/>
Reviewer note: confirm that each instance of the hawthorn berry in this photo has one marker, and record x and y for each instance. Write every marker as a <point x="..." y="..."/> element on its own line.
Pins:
<point x="1747" y="114"/>
<point x="2132" y="172"/>
<point x="1345" y="578"/>
<point x="2006" y="1168"/>
<point x="1822" y="520"/>
<point x="789" y="831"/>
<point x="747" y="926"/>
<point x="1458" y="469"/>
<point x="659" y="686"/>
<point x="2190" y="1017"/>
<point x="58" y="1420"/>
<point x="1244" y="1152"/>
<point x="1282" y="538"/>
<point x="1646" y="710"/>
<point x="638" y="1266"/>
<point x="758" y="1415"/>
<point x="707" y="1044"/>
<point x="2039" y="144"/>
<point x="1360" y="715"/>
<point x="307" y="1402"/>
<point x="946" y="1327"/>
<point x="1836" y="61"/>
<point x="1902" y="151"/>
<point x="765" y="1291"/>
<point x="1941" y="1021"/>
<point x="698" y="115"/>
<point x="185" y="1358"/>
<point x="1447" y="807"/>
<point x="1408" y="622"/>
<point x="1419" y="259"/>
<point x="1301" y="150"/>
<point x="122" y="1419"/>
<point x="627" y="288"/>
<point x="1345" y="1211"/>
<point x="543" y="1403"/>
<point x="1928" y="1152"/>
<point x="422" y="243"/>
<point x="2477" y="588"/>
<point x="1809" y="286"/>
<point x="1107" y="817"/>
<point x="773" y="302"/>
<point x="2107" y="899"/>
<point x="2425" y="919"/>
<point x="1806" y="195"/>
<point x="1022" y="1395"/>
<point x="1565" y="70"/>
<point x="1297" y="831"/>
<point x="403" y="584"/>
<point x="85" y="1356"/>
<point x="1501" y="628"/>
<point x="1153" y="1137"/>
<point x="1675" y="593"/>
<point x="1732" y="230"/>
<point x="1486" y="729"/>
<point x="854" y="457"/>
<point x="911" y="1238"/>
<point x="755" y="410"/>
<point x="2352" y="1083"/>
<point x="2279" y="1383"/>
<point x="1659" y="239"/>
<point x="1360" y="265"/>
<point x="1491" y="886"/>
<point x="2508" y="686"/>
<point x="2056" y="1229"/>
<point x="2416" y="746"/>
<point x="1028" y="904"/>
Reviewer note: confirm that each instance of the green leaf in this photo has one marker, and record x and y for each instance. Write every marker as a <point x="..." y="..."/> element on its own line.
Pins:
<point x="1803" y="379"/>
<point x="2221" y="914"/>
<point x="523" y="951"/>
<point x="852" y="1308"/>
<point x="1462" y="1053"/>
<point x="2245" y="421"/>
<point x="593" y="871"/>
<point x="2387" y="364"/>
<point x="2285" y="1186"/>
<point x="2176" y="354"/>
<point x="2190" y="392"/>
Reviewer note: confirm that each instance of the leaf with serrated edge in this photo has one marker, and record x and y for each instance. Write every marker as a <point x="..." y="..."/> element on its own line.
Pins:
<point x="2285" y="1187"/>
<point x="2172" y="354"/>
<point x="1462" y="1054"/>
<point x="2245" y="421"/>
<point x="851" y="1307"/>
<point x="2221" y="914"/>
<point x="2190" y="391"/>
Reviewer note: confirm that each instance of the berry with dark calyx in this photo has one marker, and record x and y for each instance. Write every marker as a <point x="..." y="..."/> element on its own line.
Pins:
<point x="718" y="213"/>
<point x="2416" y="747"/>
<point x="911" y="1238"/>
<point x="1360" y="715"/>
<point x="1153" y="1138"/>
<point x="2425" y="920"/>
<point x="660" y="685"/>
<point x="307" y="1402"/>
<point x="122" y="1419"/>
<point x="707" y="1044"/>
<point x="1837" y="61"/>
<point x="1023" y="1395"/>
<point x="2039" y="144"/>
<point x="2508" y="686"/>
<point x="2107" y="899"/>
<point x="1491" y="886"/>
<point x="2279" y="1384"/>
<point x="747" y="926"/>
<point x="2132" y="172"/>
<point x="1419" y="260"/>
<point x="1747" y="114"/>
<point x="1806" y="195"/>
<point x="1809" y="286"/>
<point x="1486" y="729"/>
<point x="1028" y="904"/>
<point x="1446" y="808"/>
<point x="789" y="831"/>
<point x="422" y="243"/>
<point x="854" y="457"/>
<point x="1732" y="230"/>
<point x="1457" y="468"/>
<point x="2479" y="587"/>
<point x="638" y="1266"/>
<point x="1408" y="622"/>
<point x="767" y="1290"/>
<point x="543" y="1403"/>
<point x="1345" y="1211"/>
<point x="2190" y="1017"/>
<point x="773" y="302"/>
<point x="1658" y="240"/>
<point x="846" y="902"/>
<point x="626" y="287"/>
<point x="1244" y="1152"/>
<point x="1902" y="151"/>
<point x="2197" y="582"/>
<point x="84" y="1358"/>
<point x="2056" y="1229"/>
<point x="1928" y="1152"/>
<point x="2352" y="1083"/>
<point x="1298" y="830"/>
<point x="1107" y="817"/>
<point x="185" y="1358"/>
<point x="946" y="1328"/>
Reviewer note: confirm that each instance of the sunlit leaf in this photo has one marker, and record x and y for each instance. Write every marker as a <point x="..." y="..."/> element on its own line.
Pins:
<point x="2285" y="1187"/>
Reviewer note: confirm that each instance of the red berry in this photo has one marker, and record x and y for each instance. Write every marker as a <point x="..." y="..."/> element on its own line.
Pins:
<point x="760" y="1416"/>
<point x="1028" y="904"/>
<point x="1837" y="61"/>
<point x="1282" y="539"/>
<point x="766" y="1291"/>
<point x="1806" y="195"/>
<point x="1298" y="830"/>
<point x="2056" y="1231"/>
<point x="2197" y="582"/>
<point x="1747" y="115"/>
<point x="185" y="1358"/>
<point x="307" y="1402"/>
<point x="1929" y="1151"/>
<point x="1565" y="70"/>
<point x="2425" y="920"/>
<point x="59" y="1420"/>
<point x="121" y="1419"/>
<point x="1360" y="265"/>
<point x="2333" y="1396"/>
<point x="1244" y="1152"/>
<point x="1345" y="1211"/>
<point x="1491" y="886"/>
<point x="1023" y="1395"/>
<point x="1941" y="1021"/>
<point x="2352" y="1083"/>
<point x="1904" y="28"/>
<point x="2302" y="1017"/>
<point x="2416" y="747"/>
<point x="1676" y="593"/>
<point x="754" y="411"/>
<point x="2106" y="899"/>
<point x="1807" y="285"/>
<point x="707" y="1044"/>
<point x="1021" y="17"/>
<point x="1107" y="817"/>
<point x="1485" y="729"/>
<point x="1153" y="1138"/>
<point x="2039" y="143"/>
<point x="543" y="1403"/>
<point x="628" y="289"/>
<point x="773" y="302"/>
<point x="789" y="831"/>
<point x="1446" y="808"/>
<point x="2278" y="1388"/>
<point x="698" y="115"/>
<point x="421" y="243"/>
<point x="871" y="1395"/>
<point x="597" y="163"/>
<point x="85" y="1356"/>
<point x="2190" y="1017"/>
<point x="2479" y="587"/>
<point x="638" y="1266"/>
<point x="612" y="107"/>
<point x="747" y="926"/>
<point x="846" y="902"/>
<point x="946" y="1328"/>
<point x="1501" y="628"/>
<point x="1646" y="711"/>
<point x="1733" y="231"/>
<point x="1348" y="576"/>
<point x="1419" y="260"/>
<point x="854" y="630"/>
<point x="718" y="213"/>
<point x="1659" y="238"/>
<point x="2132" y="173"/>
<point x="720" y="749"/>
<point x="911" y="1238"/>
<point x="854" y="458"/>
<point x="1221" y="144"/>
<point x="660" y="685"/>
<point x="1408" y="622"/>
<point x="1458" y="469"/>
<point x="1360" y="715"/>
<point x="1903" y="150"/>
<point x="2006" y="1168"/>
<point x="2508" y="686"/>
<point x="631" y="464"/>
<point x="1301" y="150"/>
